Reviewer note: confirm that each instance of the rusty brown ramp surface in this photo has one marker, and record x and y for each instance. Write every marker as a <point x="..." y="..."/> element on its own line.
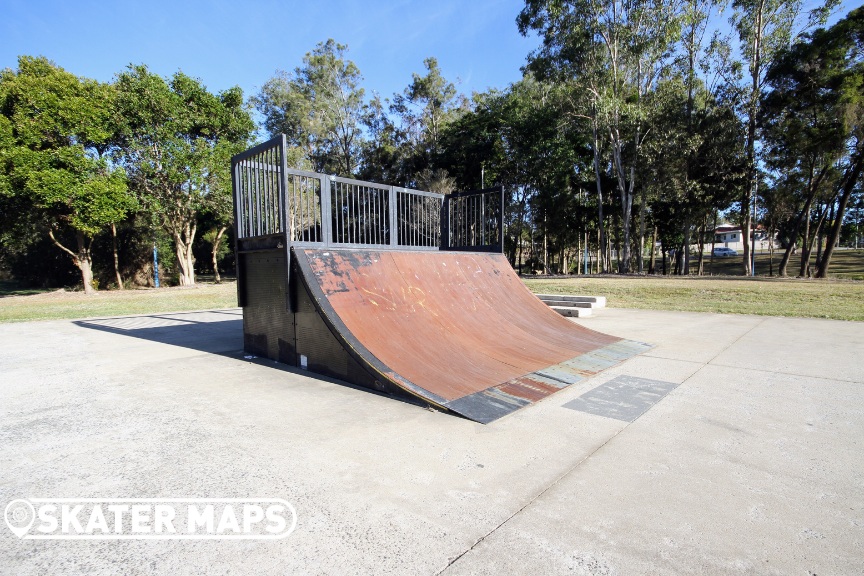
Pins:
<point x="459" y="330"/>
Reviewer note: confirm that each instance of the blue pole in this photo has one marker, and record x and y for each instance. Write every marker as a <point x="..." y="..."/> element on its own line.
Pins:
<point x="155" y="266"/>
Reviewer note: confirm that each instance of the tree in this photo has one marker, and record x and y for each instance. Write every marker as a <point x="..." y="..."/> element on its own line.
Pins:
<point x="319" y="107"/>
<point x="383" y="154"/>
<point x="614" y="51"/>
<point x="847" y="36"/>
<point x="811" y="122"/>
<point x="55" y="133"/>
<point x="220" y="202"/>
<point x="176" y="137"/>
<point x="765" y="29"/>
<point x="426" y="106"/>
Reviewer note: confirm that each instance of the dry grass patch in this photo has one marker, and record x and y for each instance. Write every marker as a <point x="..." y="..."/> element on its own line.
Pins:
<point x="70" y="305"/>
<point x="836" y="299"/>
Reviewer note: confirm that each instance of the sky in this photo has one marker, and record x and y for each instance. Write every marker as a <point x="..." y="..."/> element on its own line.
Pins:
<point x="245" y="42"/>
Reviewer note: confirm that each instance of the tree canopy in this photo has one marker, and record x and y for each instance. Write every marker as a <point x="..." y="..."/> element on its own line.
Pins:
<point x="631" y="136"/>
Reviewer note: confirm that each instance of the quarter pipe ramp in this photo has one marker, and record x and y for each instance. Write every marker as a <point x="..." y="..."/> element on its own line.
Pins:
<point x="401" y="291"/>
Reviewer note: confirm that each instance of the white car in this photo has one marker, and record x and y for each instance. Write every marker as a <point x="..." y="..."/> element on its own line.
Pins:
<point x="723" y="252"/>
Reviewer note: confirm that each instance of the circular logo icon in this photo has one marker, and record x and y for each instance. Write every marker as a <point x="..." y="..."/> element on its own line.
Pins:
<point x="19" y="516"/>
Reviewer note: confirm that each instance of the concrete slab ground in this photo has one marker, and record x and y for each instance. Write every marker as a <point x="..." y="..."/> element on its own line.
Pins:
<point x="751" y="463"/>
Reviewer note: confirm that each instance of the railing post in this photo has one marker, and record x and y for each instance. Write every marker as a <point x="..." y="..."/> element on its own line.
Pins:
<point x="445" y="223"/>
<point x="501" y="220"/>
<point x="393" y="215"/>
<point x="286" y="218"/>
<point x="326" y="211"/>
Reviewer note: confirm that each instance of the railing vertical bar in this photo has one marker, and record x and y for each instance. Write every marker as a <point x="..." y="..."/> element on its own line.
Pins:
<point x="355" y="229"/>
<point x="268" y="196"/>
<point x="302" y="189"/>
<point x="258" y="183"/>
<point x="282" y="193"/>
<point x="272" y="193"/>
<point x="267" y="187"/>
<point x="309" y="215"/>
<point x="250" y="218"/>
<point x="341" y="200"/>
<point x="365" y="198"/>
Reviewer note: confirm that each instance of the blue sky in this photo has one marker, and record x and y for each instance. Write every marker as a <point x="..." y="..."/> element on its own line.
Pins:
<point x="244" y="42"/>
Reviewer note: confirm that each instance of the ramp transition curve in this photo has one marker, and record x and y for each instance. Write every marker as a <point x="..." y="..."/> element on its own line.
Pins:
<point x="458" y="330"/>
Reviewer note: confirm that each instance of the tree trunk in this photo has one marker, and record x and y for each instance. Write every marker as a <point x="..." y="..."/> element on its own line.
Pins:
<point x="216" y="243"/>
<point x="602" y="232"/>
<point x="805" y="251"/>
<point x="640" y="258"/>
<point x="771" y="251"/>
<point x="82" y="259"/>
<point x="807" y="245"/>
<point x="752" y="110"/>
<point x="836" y="227"/>
<point x="116" y="257"/>
<point x="183" y="250"/>
<point x="653" y="251"/>
<point x="546" y="269"/>
<point x="600" y="249"/>
<point x="685" y="253"/>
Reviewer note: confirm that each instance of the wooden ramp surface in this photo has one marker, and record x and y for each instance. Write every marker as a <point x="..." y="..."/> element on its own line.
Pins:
<point x="459" y="330"/>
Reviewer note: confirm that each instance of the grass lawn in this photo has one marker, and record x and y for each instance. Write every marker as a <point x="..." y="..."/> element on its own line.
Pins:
<point x="845" y="264"/>
<point x="836" y="299"/>
<point x="67" y="305"/>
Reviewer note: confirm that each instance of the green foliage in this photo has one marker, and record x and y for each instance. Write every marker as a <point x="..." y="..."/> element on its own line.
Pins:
<point x="55" y="131"/>
<point x="176" y="142"/>
<point x="319" y="107"/>
<point x="425" y="107"/>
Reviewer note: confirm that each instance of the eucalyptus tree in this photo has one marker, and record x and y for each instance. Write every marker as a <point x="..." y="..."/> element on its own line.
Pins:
<point x="55" y="132"/>
<point x="425" y="106"/>
<point x="765" y="28"/>
<point x="319" y="107"/>
<point x="811" y="123"/>
<point x="176" y="137"/>
<point x="613" y="51"/>
<point x="844" y="42"/>
<point x="383" y="153"/>
<point x="694" y="160"/>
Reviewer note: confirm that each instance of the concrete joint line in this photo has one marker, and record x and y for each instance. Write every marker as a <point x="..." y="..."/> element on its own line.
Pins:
<point x="530" y="501"/>
<point x="731" y="344"/>
<point x="583" y="460"/>
<point x="553" y="484"/>
<point x="751" y="369"/>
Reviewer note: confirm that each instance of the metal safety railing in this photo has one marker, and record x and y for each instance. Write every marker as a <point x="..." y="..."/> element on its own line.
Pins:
<point x="277" y="205"/>
<point x="473" y="220"/>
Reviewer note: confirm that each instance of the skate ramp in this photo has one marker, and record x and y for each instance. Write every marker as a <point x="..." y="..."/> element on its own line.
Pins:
<point x="458" y="330"/>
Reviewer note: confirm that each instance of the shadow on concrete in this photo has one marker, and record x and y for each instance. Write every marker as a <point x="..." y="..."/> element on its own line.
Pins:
<point x="212" y="331"/>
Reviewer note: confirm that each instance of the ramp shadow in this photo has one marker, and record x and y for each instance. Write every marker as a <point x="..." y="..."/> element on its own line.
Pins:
<point x="213" y="331"/>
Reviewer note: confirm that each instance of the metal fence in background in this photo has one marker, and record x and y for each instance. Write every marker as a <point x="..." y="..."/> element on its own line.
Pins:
<point x="278" y="207"/>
